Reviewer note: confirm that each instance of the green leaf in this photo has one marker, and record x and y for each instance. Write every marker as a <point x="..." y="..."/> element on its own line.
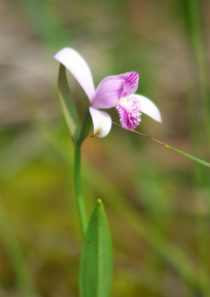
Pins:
<point x="85" y="128"/>
<point x="96" y="258"/>
<point x="67" y="103"/>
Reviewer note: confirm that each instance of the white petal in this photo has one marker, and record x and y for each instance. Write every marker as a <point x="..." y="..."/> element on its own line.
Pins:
<point x="102" y="122"/>
<point x="149" y="108"/>
<point x="79" y="69"/>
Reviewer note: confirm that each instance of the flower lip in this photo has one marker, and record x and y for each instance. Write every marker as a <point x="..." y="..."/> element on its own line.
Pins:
<point x="112" y="88"/>
<point x="129" y="109"/>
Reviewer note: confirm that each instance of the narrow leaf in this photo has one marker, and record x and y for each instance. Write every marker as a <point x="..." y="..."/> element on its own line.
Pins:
<point x="85" y="128"/>
<point x="67" y="104"/>
<point x="96" y="258"/>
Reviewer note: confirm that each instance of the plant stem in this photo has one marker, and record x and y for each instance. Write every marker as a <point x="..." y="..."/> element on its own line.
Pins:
<point x="78" y="187"/>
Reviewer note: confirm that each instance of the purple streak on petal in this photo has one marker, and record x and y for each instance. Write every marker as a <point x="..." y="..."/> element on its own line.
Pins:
<point x="131" y="82"/>
<point x="129" y="112"/>
<point x="112" y="88"/>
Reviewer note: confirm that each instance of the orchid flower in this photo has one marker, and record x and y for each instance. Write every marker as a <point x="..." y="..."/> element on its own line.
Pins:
<point x="113" y="91"/>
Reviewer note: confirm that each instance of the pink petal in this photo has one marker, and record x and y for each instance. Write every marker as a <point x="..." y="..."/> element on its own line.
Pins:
<point x="131" y="82"/>
<point x="112" y="88"/>
<point x="102" y="122"/>
<point x="78" y="68"/>
<point x="149" y="108"/>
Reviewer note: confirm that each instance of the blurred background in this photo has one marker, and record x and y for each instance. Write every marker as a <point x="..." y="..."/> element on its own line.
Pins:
<point x="157" y="202"/>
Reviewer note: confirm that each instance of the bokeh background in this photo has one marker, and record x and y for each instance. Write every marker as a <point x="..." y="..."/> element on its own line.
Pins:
<point x="157" y="202"/>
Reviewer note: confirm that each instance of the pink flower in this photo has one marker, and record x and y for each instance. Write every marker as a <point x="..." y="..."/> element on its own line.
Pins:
<point x="113" y="91"/>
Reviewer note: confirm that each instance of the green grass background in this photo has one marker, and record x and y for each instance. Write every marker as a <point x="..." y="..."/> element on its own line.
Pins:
<point x="157" y="203"/>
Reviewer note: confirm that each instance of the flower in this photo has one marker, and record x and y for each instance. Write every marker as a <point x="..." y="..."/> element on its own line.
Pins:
<point x="113" y="91"/>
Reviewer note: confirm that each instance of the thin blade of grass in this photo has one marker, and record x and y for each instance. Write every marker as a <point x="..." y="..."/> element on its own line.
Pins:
<point x="187" y="155"/>
<point x="170" y="147"/>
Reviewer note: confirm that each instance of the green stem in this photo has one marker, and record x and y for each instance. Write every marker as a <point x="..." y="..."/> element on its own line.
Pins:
<point x="78" y="187"/>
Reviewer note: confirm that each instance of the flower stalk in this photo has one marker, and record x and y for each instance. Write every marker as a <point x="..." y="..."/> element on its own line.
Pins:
<point x="78" y="188"/>
<point x="77" y="173"/>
